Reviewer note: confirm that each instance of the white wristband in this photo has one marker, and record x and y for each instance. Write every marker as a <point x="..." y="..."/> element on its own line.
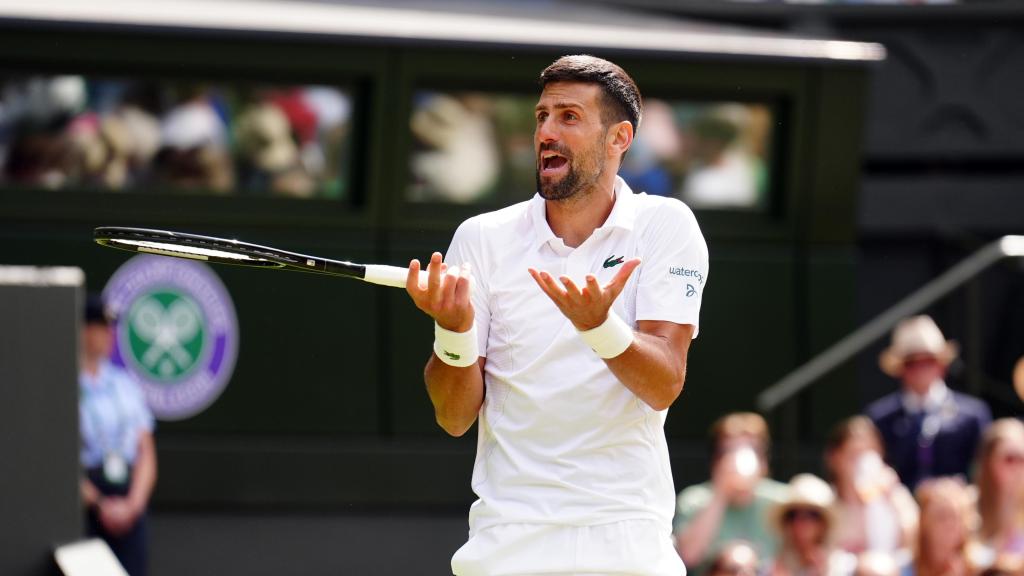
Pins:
<point x="458" y="349"/>
<point x="611" y="338"/>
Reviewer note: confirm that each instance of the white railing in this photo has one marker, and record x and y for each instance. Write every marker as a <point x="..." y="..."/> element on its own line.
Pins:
<point x="826" y="361"/>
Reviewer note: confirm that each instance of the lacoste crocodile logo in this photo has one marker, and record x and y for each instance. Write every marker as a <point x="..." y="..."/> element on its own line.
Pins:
<point x="612" y="261"/>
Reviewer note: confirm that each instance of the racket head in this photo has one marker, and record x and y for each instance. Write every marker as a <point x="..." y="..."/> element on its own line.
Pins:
<point x="192" y="246"/>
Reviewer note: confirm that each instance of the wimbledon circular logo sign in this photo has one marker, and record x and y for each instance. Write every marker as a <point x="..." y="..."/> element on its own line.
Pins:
<point x="176" y="332"/>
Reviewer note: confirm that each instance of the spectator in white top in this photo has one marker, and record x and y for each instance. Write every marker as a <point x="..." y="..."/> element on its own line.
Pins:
<point x="876" y="512"/>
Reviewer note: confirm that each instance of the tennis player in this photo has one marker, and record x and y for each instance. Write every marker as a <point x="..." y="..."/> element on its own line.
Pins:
<point x="566" y="332"/>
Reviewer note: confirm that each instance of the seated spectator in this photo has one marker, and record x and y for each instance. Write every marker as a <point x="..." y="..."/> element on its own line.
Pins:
<point x="945" y="527"/>
<point x="806" y="526"/>
<point x="734" y="503"/>
<point x="876" y="513"/>
<point x="929" y="430"/>
<point x="118" y="454"/>
<point x="1000" y="471"/>
<point x="735" y="559"/>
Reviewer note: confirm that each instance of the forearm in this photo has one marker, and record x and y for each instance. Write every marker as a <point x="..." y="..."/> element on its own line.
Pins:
<point x="456" y="393"/>
<point x="143" y="473"/>
<point x="695" y="539"/>
<point x="652" y="369"/>
<point x="90" y="494"/>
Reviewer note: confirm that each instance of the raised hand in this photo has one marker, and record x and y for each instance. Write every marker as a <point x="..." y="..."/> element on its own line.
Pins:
<point x="586" y="308"/>
<point x="445" y="297"/>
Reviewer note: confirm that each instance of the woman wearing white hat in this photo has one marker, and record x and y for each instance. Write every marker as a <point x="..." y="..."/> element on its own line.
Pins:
<point x="929" y="430"/>
<point x="806" y="525"/>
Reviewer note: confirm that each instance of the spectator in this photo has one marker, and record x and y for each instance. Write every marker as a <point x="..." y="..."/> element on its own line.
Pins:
<point x="270" y="154"/>
<point x="928" y="429"/>
<point x="734" y="504"/>
<point x="875" y="512"/>
<point x="724" y="174"/>
<point x="1000" y="471"/>
<point x="946" y="519"/>
<point x="736" y="558"/>
<point x="806" y="525"/>
<point x="118" y="453"/>
<point x="460" y="159"/>
<point x="194" y="152"/>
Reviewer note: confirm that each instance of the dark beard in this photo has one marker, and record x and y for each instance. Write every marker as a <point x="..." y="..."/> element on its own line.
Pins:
<point x="565" y="188"/>
<point x="569" y="186"/>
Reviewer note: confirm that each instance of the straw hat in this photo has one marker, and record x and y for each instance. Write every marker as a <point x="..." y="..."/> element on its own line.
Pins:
<point x="264" y="136"/>
<point x="806" y="491"/>
<point x="916" y="336"/>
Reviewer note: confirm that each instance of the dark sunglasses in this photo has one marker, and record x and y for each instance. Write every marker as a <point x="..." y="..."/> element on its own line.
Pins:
<point x="915" y="361"/>
<point x="802" y="513"/>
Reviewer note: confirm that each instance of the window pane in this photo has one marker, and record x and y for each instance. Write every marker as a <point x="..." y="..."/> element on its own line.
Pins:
<point x="709" y="154"/>
<point x="151" y="135"/>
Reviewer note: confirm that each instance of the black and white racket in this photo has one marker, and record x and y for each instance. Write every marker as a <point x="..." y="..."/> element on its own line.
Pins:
<point x="222" y="251"/>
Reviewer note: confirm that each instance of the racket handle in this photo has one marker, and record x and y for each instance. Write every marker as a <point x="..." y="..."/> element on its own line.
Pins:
<point x="395" y="276"/>
<point x="387" y="275"/>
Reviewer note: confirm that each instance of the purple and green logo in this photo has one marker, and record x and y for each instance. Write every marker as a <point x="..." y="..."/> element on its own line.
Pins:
<point x="176" y="332"/>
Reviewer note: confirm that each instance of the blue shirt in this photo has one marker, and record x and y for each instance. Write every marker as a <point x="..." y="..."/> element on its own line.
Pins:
<point x="112" y="413"/>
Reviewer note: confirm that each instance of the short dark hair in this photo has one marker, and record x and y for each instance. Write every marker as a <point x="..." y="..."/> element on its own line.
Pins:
<point x="96" y="311"/>
<point x="621" y="96"/>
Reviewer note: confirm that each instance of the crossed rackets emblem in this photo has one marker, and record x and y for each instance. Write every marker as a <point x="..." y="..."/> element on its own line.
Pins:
<point x="165" y="331"/>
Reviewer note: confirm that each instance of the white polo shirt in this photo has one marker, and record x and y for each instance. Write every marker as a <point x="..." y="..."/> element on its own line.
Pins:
<point x="561" y="440"/>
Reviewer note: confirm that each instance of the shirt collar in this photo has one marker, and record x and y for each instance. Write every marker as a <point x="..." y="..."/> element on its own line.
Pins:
<point x="930" y="402"/>
<point x="95" y="381"/>
<point x="623" y="214"/>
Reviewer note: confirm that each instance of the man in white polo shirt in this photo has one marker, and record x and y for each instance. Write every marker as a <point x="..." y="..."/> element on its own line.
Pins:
<point x="566" y="332"/>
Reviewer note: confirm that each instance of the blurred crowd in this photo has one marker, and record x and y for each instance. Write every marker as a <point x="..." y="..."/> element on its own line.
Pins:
<point x="77" y="132"/>
<point x="924" y="483"/>
<point x="475" y="147"/>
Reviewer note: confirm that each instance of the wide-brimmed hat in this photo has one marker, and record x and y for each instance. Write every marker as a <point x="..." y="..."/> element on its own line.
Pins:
<point x="264" y="136"/>
<point x="916" y="336"/>
<point x="806" y="491"/>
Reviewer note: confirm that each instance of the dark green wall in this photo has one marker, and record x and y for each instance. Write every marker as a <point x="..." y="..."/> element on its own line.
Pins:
<point x="327" y="407"/>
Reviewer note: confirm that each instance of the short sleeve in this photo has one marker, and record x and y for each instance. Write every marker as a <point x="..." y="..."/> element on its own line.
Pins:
<point x="674" y="272"/>
<point x="135" y="404"/>
<point x="466" y="247"/>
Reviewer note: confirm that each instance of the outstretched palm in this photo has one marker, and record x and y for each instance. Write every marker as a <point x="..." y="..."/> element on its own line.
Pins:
<point x="586" y="308"/>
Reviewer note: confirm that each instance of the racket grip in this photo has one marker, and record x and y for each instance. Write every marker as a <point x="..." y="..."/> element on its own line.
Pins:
<point x="387" y="275"/>
<point x="395" y="276"/>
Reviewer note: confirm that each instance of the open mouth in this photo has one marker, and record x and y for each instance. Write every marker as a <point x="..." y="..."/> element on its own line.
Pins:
<point x="553" y="163"/>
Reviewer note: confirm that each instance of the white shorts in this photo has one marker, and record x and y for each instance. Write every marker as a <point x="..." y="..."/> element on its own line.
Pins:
<point x="634" y="547"/>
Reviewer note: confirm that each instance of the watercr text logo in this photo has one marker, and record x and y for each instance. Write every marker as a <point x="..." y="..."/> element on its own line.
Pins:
<point x="686" y="273"/>
<point x="176" y="332"/>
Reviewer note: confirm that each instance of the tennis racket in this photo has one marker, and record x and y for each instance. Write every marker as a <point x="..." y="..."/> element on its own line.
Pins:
<point x="221" y="251"/>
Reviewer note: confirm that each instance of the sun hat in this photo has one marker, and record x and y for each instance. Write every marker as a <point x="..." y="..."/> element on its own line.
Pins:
<point x="806" y="491"/>
<point x="916" y="336"/>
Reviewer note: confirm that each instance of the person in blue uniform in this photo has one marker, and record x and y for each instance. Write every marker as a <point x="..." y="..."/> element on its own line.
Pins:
<point x="929" y="430"/>
<point x="118" y="454"/>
